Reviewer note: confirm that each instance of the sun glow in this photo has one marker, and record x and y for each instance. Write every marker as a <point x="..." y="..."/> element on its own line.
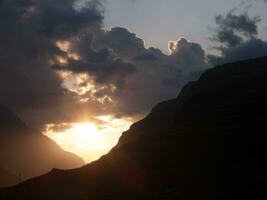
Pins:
<point x="86" y="139"/>
<point x="63" y="45"/>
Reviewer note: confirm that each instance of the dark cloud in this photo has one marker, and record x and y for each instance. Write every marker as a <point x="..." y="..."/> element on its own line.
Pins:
<point x="249" y="49"/>
<point x="105" y="72"/>
<point x="28" y="35"/>
<point x="98" y="61"/>
<point x="58" y="64"/>
<point x="121" y="41"/>
<point x="189" y="55"/>
<point x="146" y="57"/>
<point x="156" y="76"/>
<point x="238" y="38"/>
<point x="133" y="78"/>
<point x="49" y="18"/>
<point x="233" y="28"/>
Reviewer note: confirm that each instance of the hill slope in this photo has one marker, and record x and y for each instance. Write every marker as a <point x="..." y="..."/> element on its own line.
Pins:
<point x="207" y="144"/>
<point x="7" y="179"/>
<point x="26" y="153"/>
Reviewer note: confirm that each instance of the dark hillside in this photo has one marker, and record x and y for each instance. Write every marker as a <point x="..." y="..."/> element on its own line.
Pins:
<point x="209" y="143"/>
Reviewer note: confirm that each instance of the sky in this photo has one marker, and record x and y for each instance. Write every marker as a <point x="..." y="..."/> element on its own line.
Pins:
<point x="68" y="66"/>
<point x="158" y="21"/>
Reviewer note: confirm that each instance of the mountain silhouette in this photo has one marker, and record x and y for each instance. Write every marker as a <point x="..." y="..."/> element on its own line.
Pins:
<point x="208" y="143"/>
<point x="26" y="153"/>
<point x="7" y="179"/>
<point x="10" y="123"/>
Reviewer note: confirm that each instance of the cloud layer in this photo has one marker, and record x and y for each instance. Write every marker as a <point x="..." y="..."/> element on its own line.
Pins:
<point x="58" y="63"/>
<point x="128" y="77"/>
<point x="28" y="35"/>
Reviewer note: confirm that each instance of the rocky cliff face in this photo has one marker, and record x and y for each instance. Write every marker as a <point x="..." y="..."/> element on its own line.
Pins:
<point x="26" y="153"/>
<point x="208" y="143"/>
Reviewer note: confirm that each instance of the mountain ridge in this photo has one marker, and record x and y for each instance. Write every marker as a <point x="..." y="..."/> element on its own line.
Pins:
<point x="26" y="152"/>
<point x="205" y="144"/>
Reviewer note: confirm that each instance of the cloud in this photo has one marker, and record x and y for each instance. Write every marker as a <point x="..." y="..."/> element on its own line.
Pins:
<point x="238" y="39"/>
<point x="28" y="35"/>
<point x="59" y="65"/>
<point x="189" y="55"/>
<point x="121" y="41"/>
<point x="140" y="76"/>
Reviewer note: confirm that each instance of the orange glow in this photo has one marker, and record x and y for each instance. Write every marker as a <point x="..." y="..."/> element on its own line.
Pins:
<point x="87" y="139"/>
<point x="62" y="60"/>
<point x="84" y="84"/>
<point x="63" y="45"/>
<point x="73" y="56"/>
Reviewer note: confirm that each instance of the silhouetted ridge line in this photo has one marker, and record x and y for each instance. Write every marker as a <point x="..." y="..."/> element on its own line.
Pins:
<point x="26" y="153"/>
<point x="208" y="143"/>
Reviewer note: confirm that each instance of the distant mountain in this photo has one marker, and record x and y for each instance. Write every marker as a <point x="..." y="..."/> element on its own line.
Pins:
<point x="209" y="143"/>
<point x="10" y="123"/>
<point x="27" y="153"/>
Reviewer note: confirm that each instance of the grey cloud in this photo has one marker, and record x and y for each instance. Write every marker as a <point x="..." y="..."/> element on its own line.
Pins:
<point x="153" y="76"/>
<point x="121" y="41"/>
<point x="105" y="72"/>
<point x="233" y="29"/>
<point x="98" y="61"/>
<point x="189" y="55"/>
<point x="238" y="39"/>
<point x="142" y="76"/>
<point x="28" y="35"/>
<point x="60" y="18"/>
<point x="146" y="57"/>
<point x="127" y="78"/>
<point x="242" y="23"/>
<point x="249" y="49"/>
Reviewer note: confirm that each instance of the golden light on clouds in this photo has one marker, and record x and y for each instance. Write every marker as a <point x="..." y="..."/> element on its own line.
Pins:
<point x="87" y="139"/>
<point x="62" y="60"/>
<point x="73" y="56"/>
<point x="85" y="87"/>
<point x="90" y="140"/>
<point x="82" y="84"/>
<point x="63" y="45"/>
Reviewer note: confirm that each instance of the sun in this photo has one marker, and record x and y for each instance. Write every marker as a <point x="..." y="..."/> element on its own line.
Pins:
<point x="86" y="136"/>
<point x="86" y="139"/>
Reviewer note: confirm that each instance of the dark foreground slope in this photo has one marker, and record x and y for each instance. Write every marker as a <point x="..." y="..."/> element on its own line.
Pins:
<point x="26" y="153"/>
<point x="7" y="179"/>
<point x="206" y="144"/>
